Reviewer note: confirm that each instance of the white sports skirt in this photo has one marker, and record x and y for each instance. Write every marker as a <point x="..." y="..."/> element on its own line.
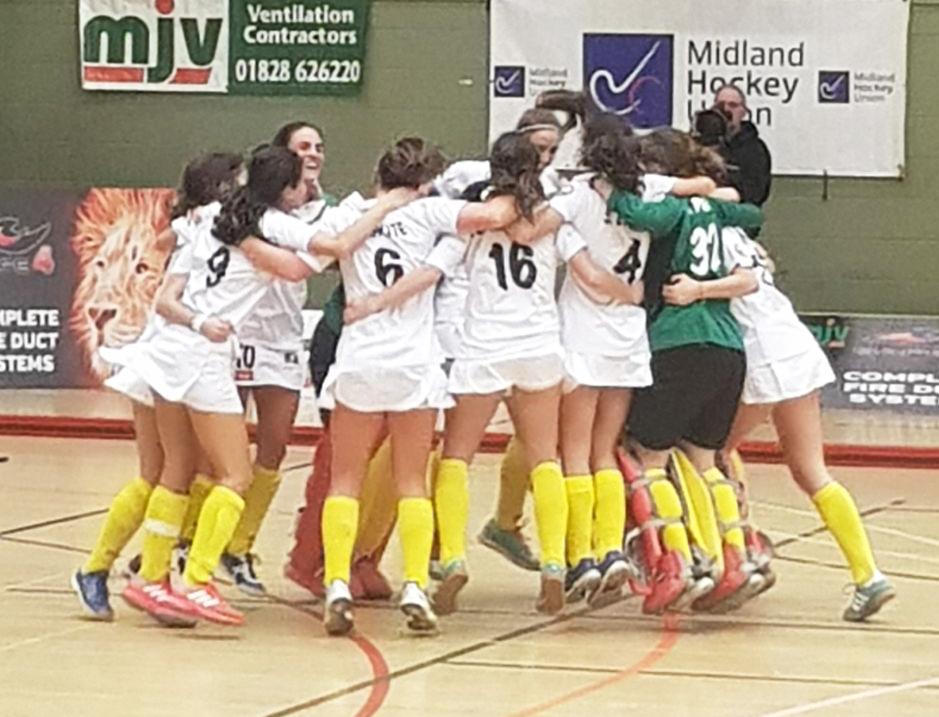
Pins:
<point x="126" y="382"/>
<point x="788" y="378"/>
<point x="526" y="374"/>
<point x="184" y="368"/>
<point x="606" y="371"/>
<point x="260" y="365"/>
<point x="372" y="390"/>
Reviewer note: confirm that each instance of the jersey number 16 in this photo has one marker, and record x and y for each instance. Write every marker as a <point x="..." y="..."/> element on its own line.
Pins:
<point x="521" y="268"/>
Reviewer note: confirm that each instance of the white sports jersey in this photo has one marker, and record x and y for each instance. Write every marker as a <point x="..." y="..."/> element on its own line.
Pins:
<point x="400" y="337"/>
<point x="450" y="297"/>
<point x="511" y="311"/>
<point x="224" y="283"/>
<point x="586" y="327"/>
<point x="655" y="187"/>
<point x="277" y="322"/>
<point x="771" y="329"/>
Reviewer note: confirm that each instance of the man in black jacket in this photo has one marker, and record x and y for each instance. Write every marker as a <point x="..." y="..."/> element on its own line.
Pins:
<point x="748" y="158"/>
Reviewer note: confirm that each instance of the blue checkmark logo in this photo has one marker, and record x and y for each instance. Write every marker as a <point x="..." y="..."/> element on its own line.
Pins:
<point x="834" y="87"/>
<point x="508" y="81"/>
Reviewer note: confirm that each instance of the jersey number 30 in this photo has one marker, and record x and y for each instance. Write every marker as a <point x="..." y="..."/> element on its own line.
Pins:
<point x="218" y="265"/>
<point x="521" y="268"/>
<point x="706" y="250"/>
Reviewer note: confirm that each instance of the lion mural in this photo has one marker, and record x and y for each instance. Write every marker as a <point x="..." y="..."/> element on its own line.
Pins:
<point x="120" y="267"/>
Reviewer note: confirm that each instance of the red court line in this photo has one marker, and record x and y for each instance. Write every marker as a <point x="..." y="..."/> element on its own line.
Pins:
<point x="382" y="683"/>
<point x="665" y="644"/>
<point x="836" y="454"/>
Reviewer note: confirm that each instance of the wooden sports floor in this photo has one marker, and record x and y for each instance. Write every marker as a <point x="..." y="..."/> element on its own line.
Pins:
<point x="786" y="653"/>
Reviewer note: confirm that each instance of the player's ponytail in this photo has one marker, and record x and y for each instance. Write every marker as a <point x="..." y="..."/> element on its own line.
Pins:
<point x="609" y="149"/>
<point x="410" y="162"/>
<point x="270" y="171"/>
<point x="206" y="179"/>
<point x="515" y="167"/>
<point x="573" y="104"/>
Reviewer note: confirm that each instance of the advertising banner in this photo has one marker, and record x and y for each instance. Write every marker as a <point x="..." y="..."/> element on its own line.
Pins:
<point x="881" y="362"/>
<point x="257" y="47"/>
<point x="77" y="271"/>
<point x="825" y="81"/>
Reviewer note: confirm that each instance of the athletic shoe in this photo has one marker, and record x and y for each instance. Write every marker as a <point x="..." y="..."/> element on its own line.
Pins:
<point x="160" y="602"/>
<point x="374" y="585"/>
<point x="421" y="619"/>
<point x="206" y="602"/>
<point x="868" y="599"/>
<point x="510" y="544"/>
<point x="670" y="582"/>
<point x="614" y="571"/>
<point x="180" y="556"/>
<point x="132" y="569"/>
<point x="453" y="579"/>
<point x="581" y="580"/>
<point x="92" y="591"/>
<point x="240" y="568"/>
<point x="337" y="616"/>
<point x="551" y="598"/>
<point x="739" y="582"/>
<point x="435" y="570"/>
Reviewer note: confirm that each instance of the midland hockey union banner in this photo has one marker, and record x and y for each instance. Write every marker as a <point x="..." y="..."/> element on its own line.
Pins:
<point x="825" y="80"/>
<point x="247" y="47"/>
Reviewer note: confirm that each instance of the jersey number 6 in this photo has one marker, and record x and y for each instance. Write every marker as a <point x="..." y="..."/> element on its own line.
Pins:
<point x="385" y="266"/>
<point x="521" y="267"/>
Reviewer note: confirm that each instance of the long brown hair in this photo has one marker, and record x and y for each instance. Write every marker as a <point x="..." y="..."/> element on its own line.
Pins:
<point x="610" y="150"/>
<point x="670" y="151"/>
<point x="410" y="162"/>
<point x="514" y="164"/>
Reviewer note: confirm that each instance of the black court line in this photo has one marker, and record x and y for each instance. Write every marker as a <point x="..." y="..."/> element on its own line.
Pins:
<point x="424" y="664"/>
<point x="297" y="467"/>
<point x="913" y="509"/>
<point x="4" y="459"/>
<point x="837" y="566"/>
<point x="46" y="544"/>
<point x="824" y="529"/>
<point x="693" y="674"/>
<point x="53" y="521"/>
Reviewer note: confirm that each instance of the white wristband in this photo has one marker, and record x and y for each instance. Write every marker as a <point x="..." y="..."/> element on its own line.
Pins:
<point x="197" y="321"/>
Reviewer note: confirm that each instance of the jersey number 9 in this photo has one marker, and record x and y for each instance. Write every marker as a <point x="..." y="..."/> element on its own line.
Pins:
<point x="521" y="267"/>
<point x="218" y="265"/>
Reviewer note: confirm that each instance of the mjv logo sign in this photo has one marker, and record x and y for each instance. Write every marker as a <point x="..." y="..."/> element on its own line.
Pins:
<point x="631" y="76"/>
<point x="177" y="42"/>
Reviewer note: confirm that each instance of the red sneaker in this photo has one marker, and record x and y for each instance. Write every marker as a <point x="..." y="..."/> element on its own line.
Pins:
<point x="669" y="582"/>
<point x="739" y="583"/>
<point x="160" y="602"/>
<point x="372" y="585"/>
<point x="206" y="602"/>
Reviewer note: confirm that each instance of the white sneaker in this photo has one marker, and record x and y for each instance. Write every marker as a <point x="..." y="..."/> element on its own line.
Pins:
<point x="338" y="617"/>
<point x="415" y="605"/>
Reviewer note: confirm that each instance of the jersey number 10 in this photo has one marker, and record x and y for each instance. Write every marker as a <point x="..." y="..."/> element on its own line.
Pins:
<point x="521" y="268"/>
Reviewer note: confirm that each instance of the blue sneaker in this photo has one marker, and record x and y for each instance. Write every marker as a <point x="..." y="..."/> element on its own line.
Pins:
<point x="581" y="580"/>
<point x="92" y="591"/>
<point x="614" y="571"/>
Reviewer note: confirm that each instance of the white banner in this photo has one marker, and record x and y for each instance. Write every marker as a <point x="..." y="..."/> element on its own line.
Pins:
<point x="154" y="45"/>
<point x="825" y="80"/>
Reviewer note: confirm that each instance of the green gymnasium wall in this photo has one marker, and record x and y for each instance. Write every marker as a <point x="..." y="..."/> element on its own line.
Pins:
<point x="870" y="246"/>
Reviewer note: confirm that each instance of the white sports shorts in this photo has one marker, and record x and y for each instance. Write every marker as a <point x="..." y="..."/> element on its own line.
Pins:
<point x="606" y="371"/>
<point x="526" y="374"/>
<point x="371" y="390"/>
<point x="788" y="378"/>
<point x="260" y="365"/>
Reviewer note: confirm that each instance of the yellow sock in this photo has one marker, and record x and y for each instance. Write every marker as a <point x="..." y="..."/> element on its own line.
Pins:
<point x="416" y="532"/>
<point x="123" y="520"/>
<point x="215" y="526"/>
<point x="340" y="519"/>
<point x="836" y="506"/>
<point x="198" y="491"/>
<point x="610" y="511"/>
<point x="377" y="503"/>
<point x="513" y="486"/>
<point x="725" y="504"/>
<point x="451" y="500"/>
<point x="579" y="491"/>
<point x="668" y="507"/>
<point x="547" y="481"/>
<point x="164" y="517"/>
<point x="257" y="502"/>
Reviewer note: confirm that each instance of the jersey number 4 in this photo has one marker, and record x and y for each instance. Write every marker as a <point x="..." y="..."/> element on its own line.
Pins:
<point x="520" y="266"/>
<point x="218" y="265"/>
<point x="630" y="263"/>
